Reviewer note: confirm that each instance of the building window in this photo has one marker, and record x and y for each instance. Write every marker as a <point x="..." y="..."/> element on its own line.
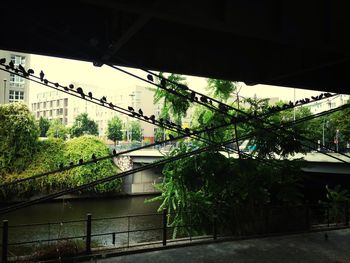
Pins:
<point x="51" y="104"/>
<point x="15" y="96"/>
<point x="17" y="81"/>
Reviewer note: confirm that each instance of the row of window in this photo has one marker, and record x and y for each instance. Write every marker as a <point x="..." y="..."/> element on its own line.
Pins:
<point x="15" y="96"/>
<point x="50" y="113"/>
<point x="50" y="104"/>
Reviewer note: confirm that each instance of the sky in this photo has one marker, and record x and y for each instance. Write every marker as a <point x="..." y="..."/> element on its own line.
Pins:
<point x="104" y="80"/>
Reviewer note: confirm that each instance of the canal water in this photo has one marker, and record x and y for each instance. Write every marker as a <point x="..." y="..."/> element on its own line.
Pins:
<point x="67" y="219"/>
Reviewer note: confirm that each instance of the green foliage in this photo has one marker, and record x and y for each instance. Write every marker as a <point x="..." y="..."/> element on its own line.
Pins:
<point x="202" y="183"/>
<point x="136" y="131"/>
<point x="268" y="144"/>
<point x="44" y="125"/>
<point x="19" y="137"/>
<point x="336" y="198"/>
<point x="114" y="130"/>
<point x="83" y="125"/>
<point x="84" y="147"/>
<point x="50" y="154"/>
<point x="221" y="89"/>
<point x="57" y="130"/>
<point x="173" y="105"/>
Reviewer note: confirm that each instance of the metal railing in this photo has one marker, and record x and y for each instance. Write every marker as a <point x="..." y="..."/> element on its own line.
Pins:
<point x="267" y="220"/>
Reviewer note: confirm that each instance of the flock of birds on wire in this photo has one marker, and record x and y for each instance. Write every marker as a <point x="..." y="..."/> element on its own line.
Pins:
<point x="192" y="96"/>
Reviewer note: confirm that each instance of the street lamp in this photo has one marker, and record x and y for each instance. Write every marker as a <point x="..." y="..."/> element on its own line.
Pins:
<point x="5" y="80"/>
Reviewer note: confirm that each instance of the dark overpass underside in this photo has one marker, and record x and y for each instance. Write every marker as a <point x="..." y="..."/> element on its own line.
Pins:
<point x="288" y="43"/>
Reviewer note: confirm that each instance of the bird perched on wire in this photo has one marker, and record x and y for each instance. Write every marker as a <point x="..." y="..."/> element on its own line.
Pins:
<point x="81" y="92"/>
<point x="192" y="96"/>
<point x="103" y="100"/>
<point x="140" y="112"/>
<point x="93" y="157"/>
<point x="12" y="65"/>
<point x="71" y="86"/>
<point x="90" y="95"/>
<point x="150" y="77"/>
<point x="30" y="71"/>
<point x="152" y="118"/>
<point x="2" y="60"/>
<point x="171" y="137"/>
<point x="111" y="105"/>
<point x="42" y="75"/>
<point x="61" y="166"/>
<point x="65" y="88"/>
<point x="57" y="84"/>
<point x="22" y="70"/>
<point x="114" y="152"/>
<point x="163" y="83"/>
<point x="130" y="108"/>
<point x="187" y="130"/>
<point x="203" y="99"/>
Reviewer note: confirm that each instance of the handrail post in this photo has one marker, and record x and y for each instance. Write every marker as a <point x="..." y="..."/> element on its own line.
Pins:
<point x="88" y="234"/>
<point x="307" y="211"/>
<point x="5" y="228"/>
<point x="347" y="212"/>
<point x="164" y="226"/>
<point x="215" y="234"/>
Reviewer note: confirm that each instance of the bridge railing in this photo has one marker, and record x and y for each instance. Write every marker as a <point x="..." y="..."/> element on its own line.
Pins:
<point x="86" y="235"/>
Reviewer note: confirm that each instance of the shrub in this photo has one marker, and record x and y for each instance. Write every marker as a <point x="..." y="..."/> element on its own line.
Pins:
<point x="19" y="137"/>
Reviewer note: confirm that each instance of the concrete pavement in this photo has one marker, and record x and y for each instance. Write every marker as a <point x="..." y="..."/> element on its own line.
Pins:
<point x="311" y="247"/>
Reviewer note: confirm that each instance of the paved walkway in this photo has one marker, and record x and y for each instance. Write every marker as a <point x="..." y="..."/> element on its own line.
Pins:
<point x="294" y="249"/>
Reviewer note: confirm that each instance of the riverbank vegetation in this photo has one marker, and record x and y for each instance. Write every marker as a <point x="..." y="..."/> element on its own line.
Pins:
<point x="237" y="190"/>
<point x="23" y="155"/>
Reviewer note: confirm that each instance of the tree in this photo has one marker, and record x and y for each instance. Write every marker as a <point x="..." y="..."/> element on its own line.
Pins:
<point x="83" y="125"/>
<point x="173" y="105"/>
<point x="57" y="130"/>
<point x="19" y="137"/>
<point x="136" y="131"/>
<point x="114" y="129"/>
<point x="221" y="89"/>
<point x="44" y="125"/>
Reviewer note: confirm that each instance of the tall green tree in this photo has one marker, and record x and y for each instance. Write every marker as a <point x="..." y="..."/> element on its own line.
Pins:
<point x="57" y="130"/>
<point x="173" y="106"/>
<point x="19" y="137"/>
<point x="44" y="125"/>
<point x="83" y="125"/>
<point x="136" y="131"/>
<point x="114" y="129"/>
<point x="221" y="89"/>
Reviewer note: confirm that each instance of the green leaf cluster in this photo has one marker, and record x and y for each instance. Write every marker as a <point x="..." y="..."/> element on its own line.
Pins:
<point x="50" y="154"/>
<point x="18" y="137"/>
<point x="114" y="129"/>
<point x="83" y="125"/>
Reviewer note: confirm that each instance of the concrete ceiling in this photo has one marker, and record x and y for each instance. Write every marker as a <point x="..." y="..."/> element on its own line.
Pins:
<point x="301" y="44"/>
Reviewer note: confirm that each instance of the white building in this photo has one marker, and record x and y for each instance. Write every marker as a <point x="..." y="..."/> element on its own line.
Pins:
<point x="14" y="88"/>
<point x="327" y="104"/>
<point x="54" y="104"/>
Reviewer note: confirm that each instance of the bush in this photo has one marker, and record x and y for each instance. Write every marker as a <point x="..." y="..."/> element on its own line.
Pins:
<point x="84" y="147"/>
<point x="50" y="154"/>
<point x="19" y="137"/>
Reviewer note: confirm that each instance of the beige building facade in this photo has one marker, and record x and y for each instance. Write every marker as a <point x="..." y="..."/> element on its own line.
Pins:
<point x="13" y="87"/>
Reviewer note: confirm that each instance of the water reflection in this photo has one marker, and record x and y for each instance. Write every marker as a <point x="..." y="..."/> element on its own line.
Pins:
<point x="112" y="211"/>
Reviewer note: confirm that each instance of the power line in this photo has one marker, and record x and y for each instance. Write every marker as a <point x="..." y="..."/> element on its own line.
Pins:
<point x="223" y="108"/>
